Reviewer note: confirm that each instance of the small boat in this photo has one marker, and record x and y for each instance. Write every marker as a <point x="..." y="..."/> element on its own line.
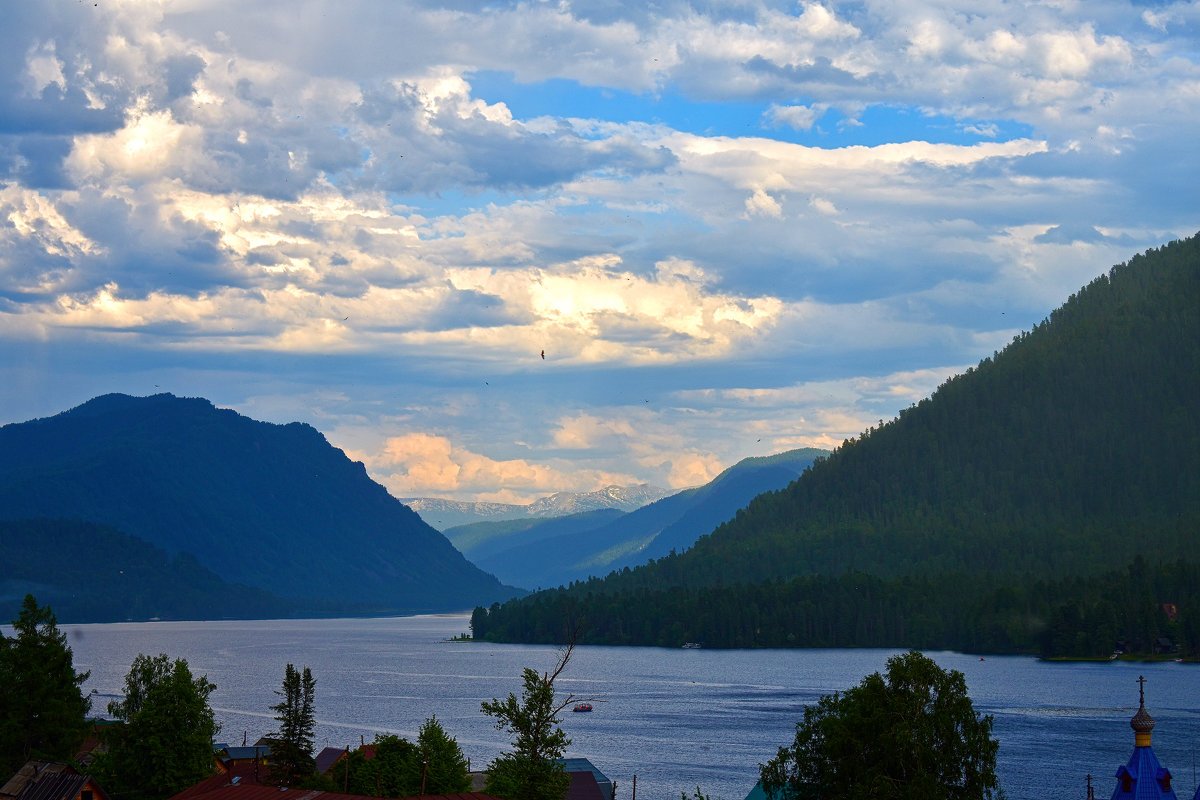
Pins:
<point x="582" y="707"/>
<point x="691" y="646"/>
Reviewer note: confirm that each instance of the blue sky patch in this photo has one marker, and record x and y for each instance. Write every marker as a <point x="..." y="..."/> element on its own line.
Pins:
<point x="878" y="124"/>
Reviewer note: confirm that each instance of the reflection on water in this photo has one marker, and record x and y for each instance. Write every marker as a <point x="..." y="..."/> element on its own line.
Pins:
<point x="675" y="718"/>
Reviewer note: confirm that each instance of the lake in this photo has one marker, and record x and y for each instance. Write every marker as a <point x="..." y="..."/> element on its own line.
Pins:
<point x="675" y="718"/>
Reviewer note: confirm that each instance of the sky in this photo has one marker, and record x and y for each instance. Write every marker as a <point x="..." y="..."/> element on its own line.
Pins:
<point x="498" y="250"/>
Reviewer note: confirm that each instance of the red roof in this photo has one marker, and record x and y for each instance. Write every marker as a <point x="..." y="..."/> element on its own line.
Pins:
<point x="240" y="784"/>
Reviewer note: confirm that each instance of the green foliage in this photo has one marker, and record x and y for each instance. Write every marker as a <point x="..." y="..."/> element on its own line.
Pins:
<point x="530" y="771"/>
<point x="394" y="771"/>
<point x="42" y="712"/>
<point x="1070" y="453"/>
<point x="399" y="768"/>
<point x="513" y="777"/>
<point x="292" y="750"/>
<point x="911" y="735"/>
<point x="164" y="743"/>
<point x="442" y="760"/>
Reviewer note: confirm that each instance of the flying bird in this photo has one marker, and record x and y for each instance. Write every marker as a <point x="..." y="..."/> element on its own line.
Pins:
<point x="543" y="355"/>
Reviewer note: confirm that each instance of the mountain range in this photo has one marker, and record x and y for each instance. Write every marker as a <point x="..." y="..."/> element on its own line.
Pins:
<point x="533" y="553"/>
<point x="445" y="514"/>
<point x="274" y="508"/>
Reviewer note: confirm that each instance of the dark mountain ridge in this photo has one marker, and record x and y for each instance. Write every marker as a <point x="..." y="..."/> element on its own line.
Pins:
<point x="269" y="506"/>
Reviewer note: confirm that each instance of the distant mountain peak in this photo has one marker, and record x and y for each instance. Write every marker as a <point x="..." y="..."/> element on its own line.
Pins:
<point x="625" y="498"/>
<point x="443" y="514"/>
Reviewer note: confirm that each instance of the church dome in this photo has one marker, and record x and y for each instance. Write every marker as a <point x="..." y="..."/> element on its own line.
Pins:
<point x="1142" y="723"/>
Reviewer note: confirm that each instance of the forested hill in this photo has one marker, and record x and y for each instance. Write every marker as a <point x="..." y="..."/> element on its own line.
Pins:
<point x="1070" y="452"/>
<point x="93" y="573"/>
<point x="274" y="507"/>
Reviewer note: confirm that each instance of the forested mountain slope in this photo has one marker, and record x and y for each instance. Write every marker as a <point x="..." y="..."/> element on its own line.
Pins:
<point x="1071" y="452"/>
<point x="270" y="506"/>
<point x="1074" y="449"/>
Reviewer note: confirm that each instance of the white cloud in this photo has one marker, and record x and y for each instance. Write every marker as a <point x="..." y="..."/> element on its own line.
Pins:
<point x="823" y="206"/>
<point x="43" y="68"/>
<point x="762" y="204"/>
<point x="800" y="118"/>
<point x="152" y="145"/>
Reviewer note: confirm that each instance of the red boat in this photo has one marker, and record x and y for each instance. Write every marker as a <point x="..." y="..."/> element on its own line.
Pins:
<point x="582" y="707"/>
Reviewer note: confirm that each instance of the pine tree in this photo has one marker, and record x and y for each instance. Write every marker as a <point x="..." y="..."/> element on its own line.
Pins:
<point x="42" y="712"/>
<point x="292" y="753"/>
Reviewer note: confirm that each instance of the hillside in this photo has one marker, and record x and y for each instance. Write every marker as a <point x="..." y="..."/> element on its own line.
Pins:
<point x="92" y="573"/>
<point x="270" y="506"/>
<point x="583" y="546"/>
<point x="482" y="540"/>
<point x="1070" y="453"/>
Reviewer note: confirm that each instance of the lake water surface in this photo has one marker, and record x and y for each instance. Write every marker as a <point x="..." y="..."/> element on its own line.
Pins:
<point x="675" y="718"/>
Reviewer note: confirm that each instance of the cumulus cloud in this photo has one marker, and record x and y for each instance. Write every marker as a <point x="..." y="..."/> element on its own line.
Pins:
<point x="762" y="204"/>
<point x="800" y="118"/>
<point x="237" y="190"/>
<point x="422" y="464"/>
<point x="693" y="469"/>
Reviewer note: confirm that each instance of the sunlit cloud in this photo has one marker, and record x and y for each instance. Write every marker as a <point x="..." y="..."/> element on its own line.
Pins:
<point x="729" y="229"/>
<point x="422" y="464"/>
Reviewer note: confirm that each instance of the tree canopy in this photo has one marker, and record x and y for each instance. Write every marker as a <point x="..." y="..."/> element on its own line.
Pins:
<point x="393" y="770"/>
<point x="911" y="734"/>
<point x="398" y="768"/>
<point x="531" y="770"/>
<point x="42" y="711"/>
<point x="444" y="767"/>
<point x="164" y="743"/>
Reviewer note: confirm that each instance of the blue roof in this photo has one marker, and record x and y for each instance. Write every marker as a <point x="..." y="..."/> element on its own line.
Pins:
<point x="759" y="793"/>
<point x="1146" y="778"/>
<point x="583" y="765"/>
